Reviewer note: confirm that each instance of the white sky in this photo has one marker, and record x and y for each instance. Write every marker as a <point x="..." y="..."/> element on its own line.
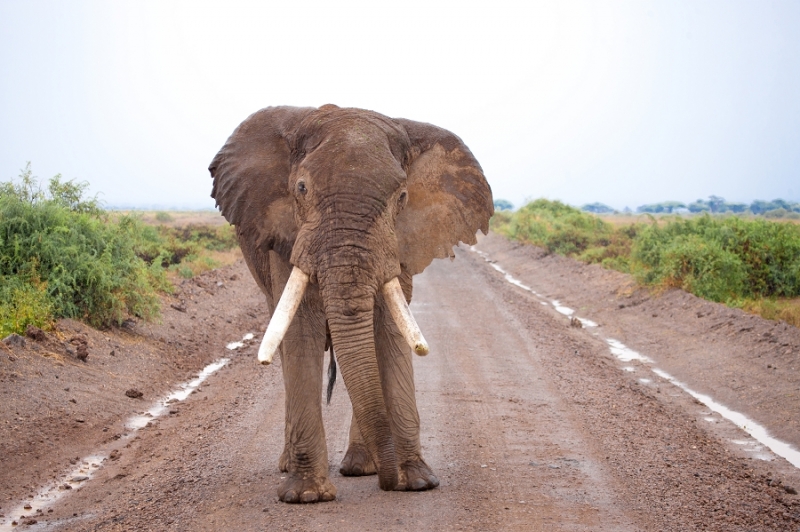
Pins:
<point x="620" y="102"/>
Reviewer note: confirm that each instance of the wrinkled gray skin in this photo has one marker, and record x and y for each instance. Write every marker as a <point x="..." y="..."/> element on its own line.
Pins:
<point x="354" y="199"/>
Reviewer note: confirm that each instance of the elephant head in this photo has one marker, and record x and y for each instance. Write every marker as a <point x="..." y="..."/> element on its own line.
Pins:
<point x="353" y="200"/>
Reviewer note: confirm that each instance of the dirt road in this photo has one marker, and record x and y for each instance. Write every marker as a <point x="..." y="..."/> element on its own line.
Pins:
<point x="530" y="423"/>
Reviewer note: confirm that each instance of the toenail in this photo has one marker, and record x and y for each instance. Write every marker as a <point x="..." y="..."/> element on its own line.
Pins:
<point x="418" y="484"/>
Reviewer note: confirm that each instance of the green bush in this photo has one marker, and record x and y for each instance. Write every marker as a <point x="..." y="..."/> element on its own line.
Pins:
<point x="750" y="263"/>
<point x="164" y="217"/>
<point x="23" y="301"/>
<point x="722" y="259"/>
<point x="87" y="266"/>
<point x="568" y="231"/>
<point x="689" y="262"/>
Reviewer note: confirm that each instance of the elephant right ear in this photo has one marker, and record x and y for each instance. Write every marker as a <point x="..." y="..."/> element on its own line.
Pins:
<point x="448" y="197"/>
<point x="251" y="174"/>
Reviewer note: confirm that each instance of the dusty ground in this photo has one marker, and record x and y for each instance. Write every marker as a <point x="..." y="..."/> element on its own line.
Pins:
<point x="179" y="218"/>
<point x="530" y="424"/>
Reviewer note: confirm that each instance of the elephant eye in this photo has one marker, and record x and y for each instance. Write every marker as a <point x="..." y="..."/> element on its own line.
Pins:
<point x="301" y="187"/>
<point x="401" y="200"/>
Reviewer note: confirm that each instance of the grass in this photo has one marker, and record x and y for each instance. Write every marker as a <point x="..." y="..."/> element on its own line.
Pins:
<point x="62" y="255"/>
<point x="190" y="250"/>
<point x="750" y="263"/>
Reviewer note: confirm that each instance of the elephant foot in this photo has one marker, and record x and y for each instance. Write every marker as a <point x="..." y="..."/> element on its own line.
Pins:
<point x="298" y="490"/>
<point x="357" y="462"/>
<point x="415" y="475"/>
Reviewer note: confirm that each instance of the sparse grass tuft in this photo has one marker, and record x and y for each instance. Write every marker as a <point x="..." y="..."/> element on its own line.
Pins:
<point x="787" y="310"/>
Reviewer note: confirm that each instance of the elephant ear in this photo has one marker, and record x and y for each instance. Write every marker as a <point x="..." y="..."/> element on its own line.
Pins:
<point x="448" y="197"/>
<point x="251" y="174"/>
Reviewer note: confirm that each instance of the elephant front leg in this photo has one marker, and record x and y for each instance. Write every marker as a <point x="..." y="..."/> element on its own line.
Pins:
<point x="305" y="453"/>
<point x="397" y="374"/>
<point x="357" y="461"/>
<point x="397" y="379"/>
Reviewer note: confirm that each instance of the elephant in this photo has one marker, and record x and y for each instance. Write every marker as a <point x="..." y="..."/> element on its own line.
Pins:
<point x="335" y="210"/>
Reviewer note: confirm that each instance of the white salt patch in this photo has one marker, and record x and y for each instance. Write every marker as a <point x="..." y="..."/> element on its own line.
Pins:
<point x="624" y="353"/>
<point x="498" y="268"/>
<point x="236" y="345"/>
<point x="566" y="311"/>
<point x="755" y="430"/>
<point x="515" y="282"/>
<point x="137" y="422"/>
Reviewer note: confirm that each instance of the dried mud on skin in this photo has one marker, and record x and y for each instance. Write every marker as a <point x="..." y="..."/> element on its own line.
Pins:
<point x="529" y="423"/>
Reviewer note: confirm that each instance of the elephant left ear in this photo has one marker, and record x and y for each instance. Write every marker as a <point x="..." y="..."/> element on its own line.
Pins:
<point x="448" y="197"/>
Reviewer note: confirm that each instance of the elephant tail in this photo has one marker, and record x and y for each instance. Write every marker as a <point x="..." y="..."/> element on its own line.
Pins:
<point x="331" y="376"/>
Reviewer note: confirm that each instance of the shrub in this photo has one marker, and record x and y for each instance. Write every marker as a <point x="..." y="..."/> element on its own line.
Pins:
<point x="164" y="217"/>
<point x="722" y="259"/>
<point x="87" y="266"/>
<point x="565" y="230"/>
<point x="753" y="264"/>
<point x="23" y="301"/>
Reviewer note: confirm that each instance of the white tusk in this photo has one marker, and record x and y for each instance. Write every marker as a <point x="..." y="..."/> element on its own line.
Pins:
<point x="282" y="317"/>
<point x="405" y="321"/>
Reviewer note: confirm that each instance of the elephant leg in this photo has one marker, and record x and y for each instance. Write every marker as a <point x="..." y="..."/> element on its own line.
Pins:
<point x="357" y="461"/>
<point x="305" y="454"/>
<point x="397" y="377"/>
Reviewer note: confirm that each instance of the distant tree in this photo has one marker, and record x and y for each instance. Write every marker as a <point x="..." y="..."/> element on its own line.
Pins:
<point x="597" y="208"/>
<point x="780" y="212"/>
<point x="672" y="206"/>
<point x="503" y="205"/>
<point x="763" y="207"/>
<point x="716" y="204"/>
<point x="760" y="206"/>
<point x="698" y="206"/>
<point x="781" y="204"/>
<point x="664" y="206"/>
<point x="738" y="208"/>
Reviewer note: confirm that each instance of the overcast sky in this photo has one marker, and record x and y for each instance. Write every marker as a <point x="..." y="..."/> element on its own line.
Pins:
<point x="624" y="103"/>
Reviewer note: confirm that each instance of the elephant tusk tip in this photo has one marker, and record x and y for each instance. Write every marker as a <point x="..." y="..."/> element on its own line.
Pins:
<point x="264" y="359"/>
<point x="421" y="349"/>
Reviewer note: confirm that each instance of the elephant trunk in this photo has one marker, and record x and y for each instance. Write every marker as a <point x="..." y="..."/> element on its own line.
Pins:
<point x="350" y="320"/>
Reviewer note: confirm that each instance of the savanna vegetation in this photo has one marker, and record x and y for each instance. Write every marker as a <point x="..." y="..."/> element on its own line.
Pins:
<point x="63" y="255"/>
<point x="776" y="208"/>
<point x="750" y="263"/>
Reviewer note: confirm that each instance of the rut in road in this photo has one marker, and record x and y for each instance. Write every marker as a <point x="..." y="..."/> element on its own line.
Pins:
<point x="528" y="424"/>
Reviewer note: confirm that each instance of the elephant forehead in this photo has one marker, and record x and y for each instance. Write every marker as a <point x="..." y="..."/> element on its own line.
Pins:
<point x="347" y="159"/>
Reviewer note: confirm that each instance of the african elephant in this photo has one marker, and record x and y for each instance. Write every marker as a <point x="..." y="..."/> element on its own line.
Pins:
<point x="336" y="209"/>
